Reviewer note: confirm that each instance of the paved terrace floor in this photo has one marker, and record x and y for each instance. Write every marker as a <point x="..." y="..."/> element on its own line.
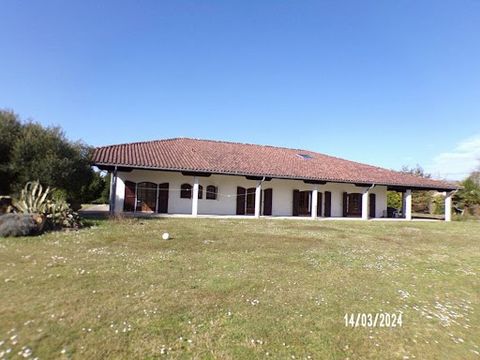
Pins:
<point x="101" y="211"/>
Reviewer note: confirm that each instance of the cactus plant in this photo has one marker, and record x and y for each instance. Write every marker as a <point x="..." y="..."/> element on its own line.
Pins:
<point x="33" y="199"/>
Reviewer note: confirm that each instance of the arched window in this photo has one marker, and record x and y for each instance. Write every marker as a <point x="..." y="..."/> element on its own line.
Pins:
<point x="211" y="192"/>
<point x="200" y="191"/>
<point x="186" y="191"/>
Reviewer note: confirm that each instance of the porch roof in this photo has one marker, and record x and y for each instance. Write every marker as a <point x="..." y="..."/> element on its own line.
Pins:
<point x="220" y="157"/>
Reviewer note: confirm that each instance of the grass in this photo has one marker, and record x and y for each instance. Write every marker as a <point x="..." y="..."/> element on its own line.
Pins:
<point x="242" y="289"/>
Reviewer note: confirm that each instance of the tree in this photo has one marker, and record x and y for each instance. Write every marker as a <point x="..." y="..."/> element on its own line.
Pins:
<point x="421" y="200"/>
<point x="45" y="154"/>
<point x="10" y="129"/>
<point x="468" y="197"/>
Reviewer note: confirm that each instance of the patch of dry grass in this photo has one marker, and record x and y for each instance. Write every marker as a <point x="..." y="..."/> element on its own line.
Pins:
<point x="241" y="289"/>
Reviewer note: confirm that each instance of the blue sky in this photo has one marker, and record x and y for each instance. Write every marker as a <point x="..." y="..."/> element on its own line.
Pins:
<point x="383" y="82"/>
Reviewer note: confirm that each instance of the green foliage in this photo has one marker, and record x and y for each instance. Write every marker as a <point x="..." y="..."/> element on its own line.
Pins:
<point x="439" y="204"/>
<point x="48" y="203"/>
<point x="394" y="199"/>
<point x="10" y="129"/>
<point x="61" y="215"/>
<point x="44" y="153"/>
<point x="468" y="198"/>
<point x="421" y="200"/>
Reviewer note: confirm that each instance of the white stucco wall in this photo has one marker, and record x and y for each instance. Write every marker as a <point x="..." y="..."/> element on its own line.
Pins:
<point x="225" y="204"/>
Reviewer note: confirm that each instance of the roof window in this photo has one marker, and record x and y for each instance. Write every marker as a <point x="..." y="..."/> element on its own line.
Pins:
<point x="305" y="156"/>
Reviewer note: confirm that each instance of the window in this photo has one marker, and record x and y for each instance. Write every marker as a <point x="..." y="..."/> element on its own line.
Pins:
<point x="186" y="191"/>
<point x="211" y="192"/>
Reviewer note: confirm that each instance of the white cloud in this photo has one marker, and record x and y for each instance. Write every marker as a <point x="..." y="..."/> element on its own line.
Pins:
<point x="458" y="163"/>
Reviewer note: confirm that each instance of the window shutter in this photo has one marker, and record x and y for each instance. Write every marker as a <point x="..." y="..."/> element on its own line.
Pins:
<point x="163" y="198"/>
<point x="296" y="199"/>
<point x="267" y="202"/>
<point x="345" y="204"/>
<point x="241" y="200"/>
<point x="319" y="204"/>
<point x="372" y="205"/>
<point x="328" y="204"/>
<point x="129" y="197"/>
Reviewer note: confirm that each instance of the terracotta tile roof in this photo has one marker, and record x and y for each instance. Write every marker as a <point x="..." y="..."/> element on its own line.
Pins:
<point x="184" y="154"/>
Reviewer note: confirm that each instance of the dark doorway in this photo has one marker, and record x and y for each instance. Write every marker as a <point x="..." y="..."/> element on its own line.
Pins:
<point x="354" y="205"/>
<point x="302" y="203"/>
<point x="163" y="198"/>
<point x="245" y="201"/>
<point x="146" y="197"/>
<point x="129" y="198"/>
<point x="267" y="202"/>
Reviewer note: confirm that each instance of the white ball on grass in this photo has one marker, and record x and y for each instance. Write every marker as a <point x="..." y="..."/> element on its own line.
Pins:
<point x="166" y="236"/>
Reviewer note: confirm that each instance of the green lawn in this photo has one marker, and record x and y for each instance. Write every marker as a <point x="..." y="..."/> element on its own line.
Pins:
<point x="242" y="289"/>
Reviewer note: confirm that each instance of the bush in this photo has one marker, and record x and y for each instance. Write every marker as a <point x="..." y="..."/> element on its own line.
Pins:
<point x="21" y="224"/>
<point x="49" y="204"/>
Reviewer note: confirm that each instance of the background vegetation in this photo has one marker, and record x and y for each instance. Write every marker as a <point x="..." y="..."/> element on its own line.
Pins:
<point x="33" y="152"/>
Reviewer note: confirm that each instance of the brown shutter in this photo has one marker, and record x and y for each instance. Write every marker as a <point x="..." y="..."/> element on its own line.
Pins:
<point x="319" y="204"/>
<point x="296" y="200"/>
<point x="267" y="202"/>
<point x="345" y="204"/>
<point x="163" y="198"/>
<point x="250" y="201"/>
<point x="372" y="204"/>
<point x="241" y="200"/>
<point x="328" y="204"/>
<point x="129" y="198"/>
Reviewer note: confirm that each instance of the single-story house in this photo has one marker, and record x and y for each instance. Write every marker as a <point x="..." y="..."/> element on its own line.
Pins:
<point x="205" y="177"/>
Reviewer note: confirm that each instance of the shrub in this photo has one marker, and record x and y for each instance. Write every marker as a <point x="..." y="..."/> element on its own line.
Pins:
<point x="21" y="224"/>
<point x="33" y="199"/>
<point x="48" y="203"/>
<point x="60" y="215"/>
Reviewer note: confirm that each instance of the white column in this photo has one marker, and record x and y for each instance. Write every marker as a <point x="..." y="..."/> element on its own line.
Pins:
<point x="314" y="203"/>
<point x="258" y="195"/>
<point x="408" y="204"/>
<point x="448" y="206"/>
<point x="195" y="196"/>
<point x="365" y="199"/>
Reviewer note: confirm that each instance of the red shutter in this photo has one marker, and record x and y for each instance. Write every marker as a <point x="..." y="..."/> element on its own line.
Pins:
<point x="345" y="204"/>
<point x="328" y="204"/>
<point x="296" y="200"/>
<point x="129" y="198"/>
<point x="163" y="198"/>
<point x="241" y="200"/>
<point x="319" y="204"/>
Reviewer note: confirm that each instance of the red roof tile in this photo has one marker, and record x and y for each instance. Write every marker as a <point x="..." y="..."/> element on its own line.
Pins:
<point x="221" y="157"/>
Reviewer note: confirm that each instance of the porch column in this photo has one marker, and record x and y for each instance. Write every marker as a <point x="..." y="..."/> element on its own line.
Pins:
<point x="448" y="206"/>
<point x="365" y="204"/>
<point x="314" y="203"/>
<point x="258" y="195"/>
<point x="195" y="196"/>
<point x="408" y="204"/>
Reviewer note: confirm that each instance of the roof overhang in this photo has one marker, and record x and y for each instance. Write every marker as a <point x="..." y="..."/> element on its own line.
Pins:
<point x="254" y="176"/>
